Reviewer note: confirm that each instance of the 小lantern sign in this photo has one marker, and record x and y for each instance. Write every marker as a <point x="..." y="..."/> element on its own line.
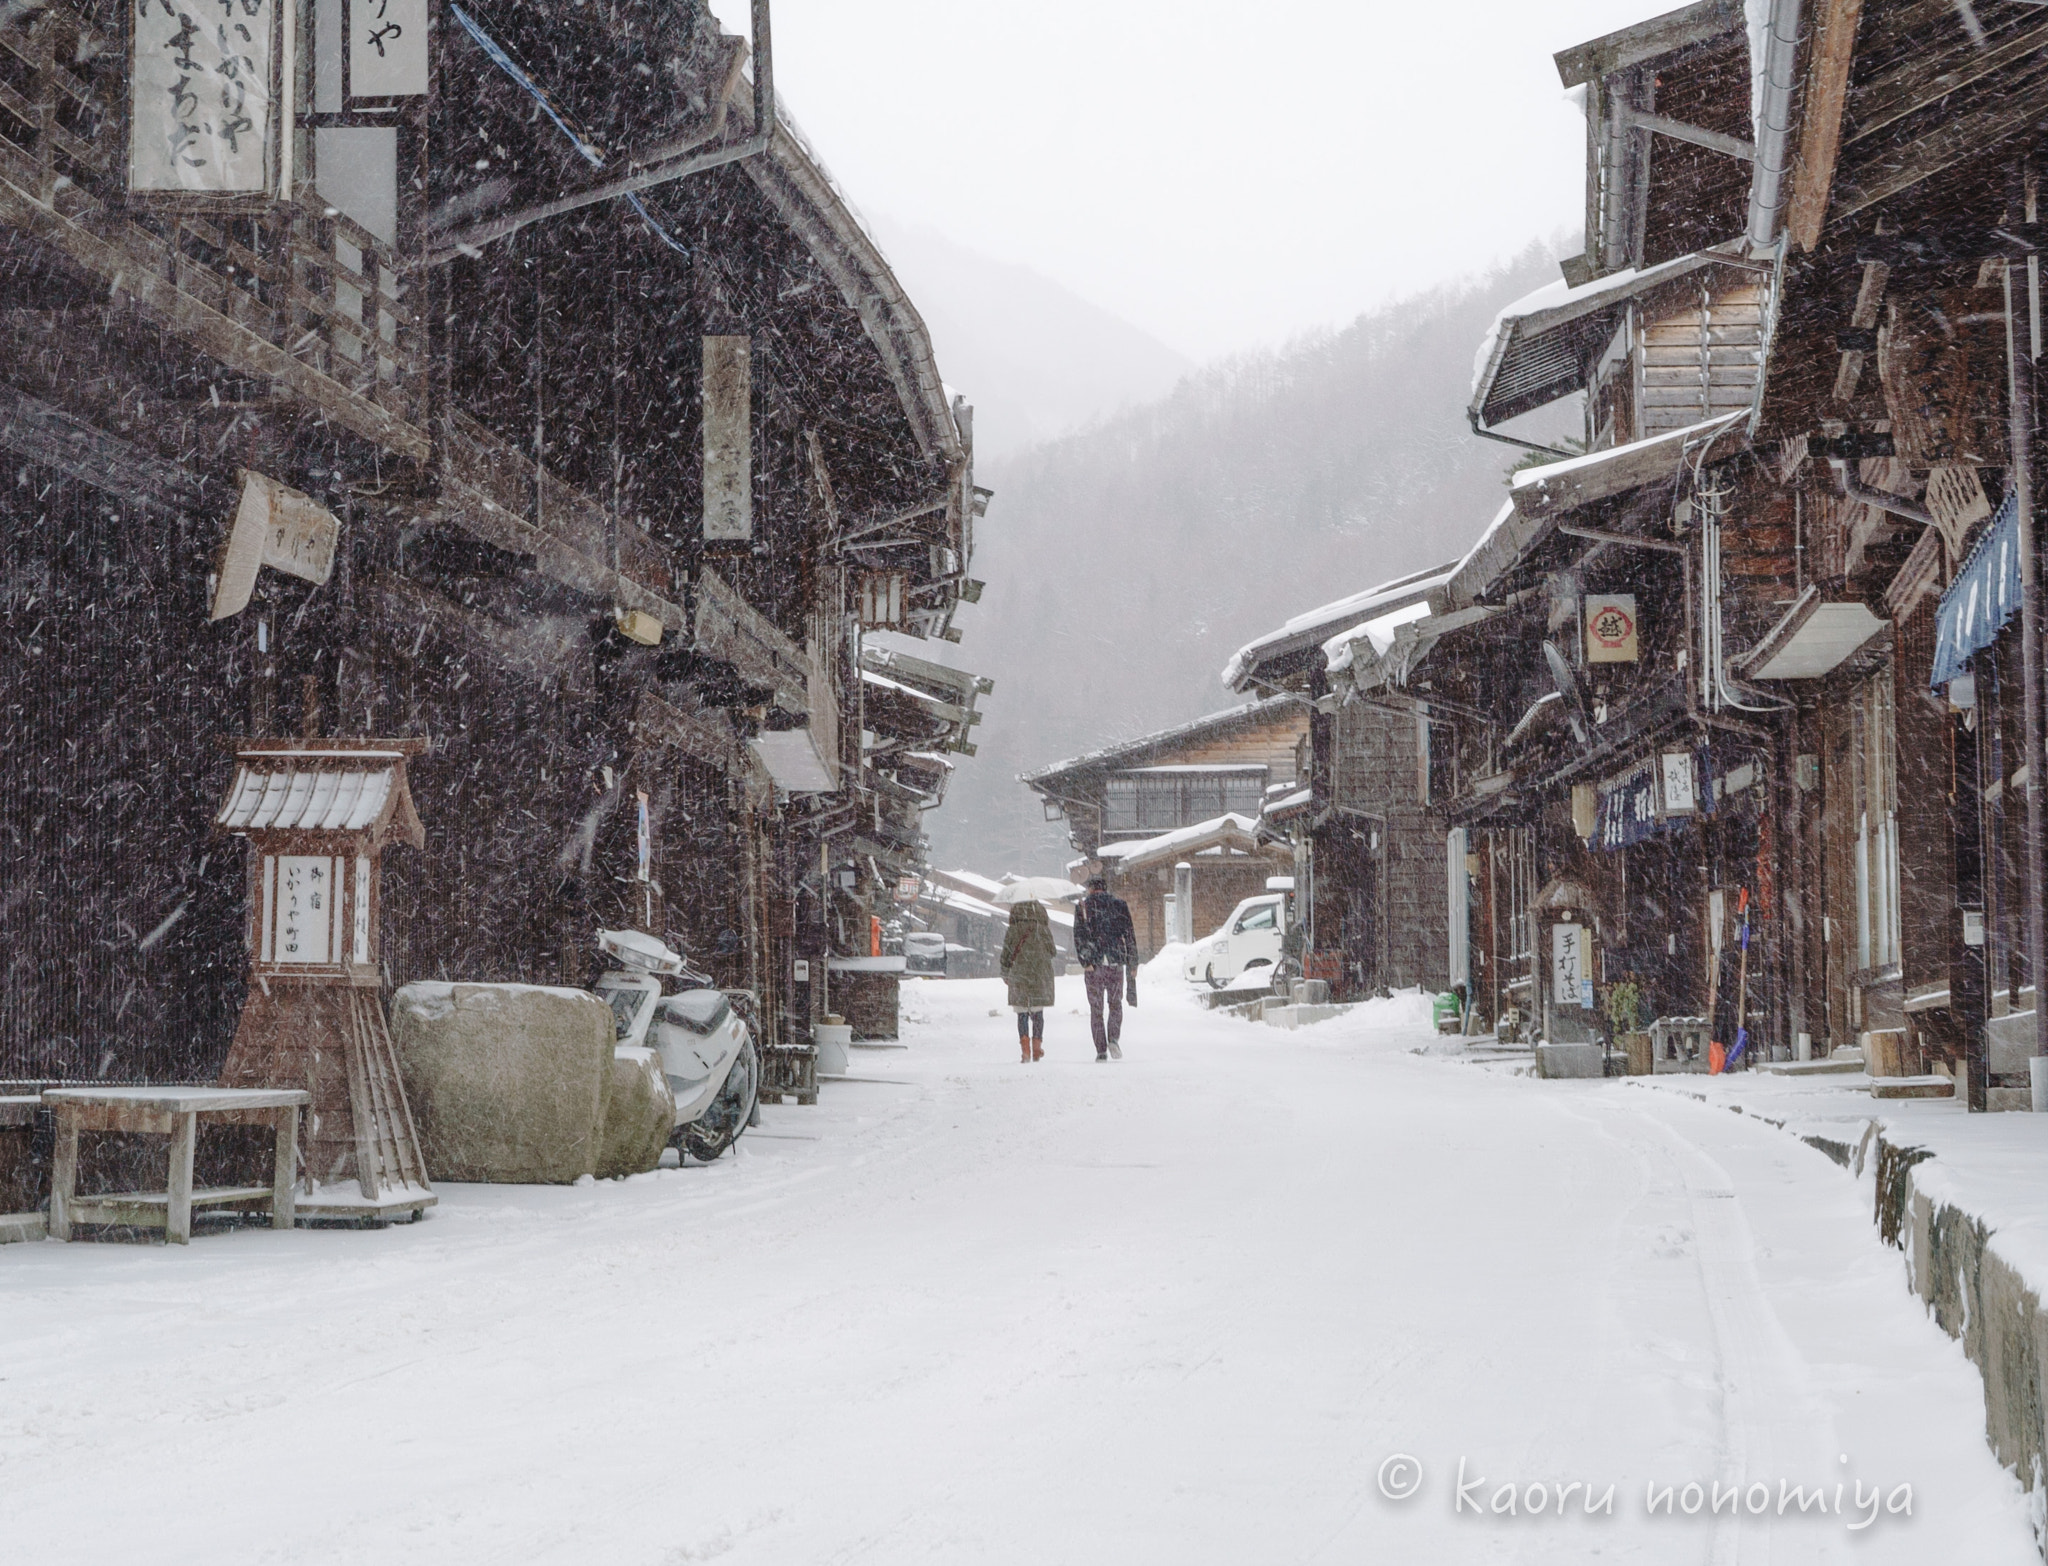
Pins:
<point x="1610" y="628"/>
<point x="202" y="94"/>
<point x="318" y="814"/>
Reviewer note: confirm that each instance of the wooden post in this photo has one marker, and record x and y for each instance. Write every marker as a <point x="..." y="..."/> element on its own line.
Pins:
<point x="178" y="1211"/>
<point x="64" y="1173"/>
<point x="284" y="1174"/>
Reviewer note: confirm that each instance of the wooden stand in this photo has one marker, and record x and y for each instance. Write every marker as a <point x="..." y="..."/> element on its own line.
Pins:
<point x="318" y="812"/>
<point x="172" y="1112"/>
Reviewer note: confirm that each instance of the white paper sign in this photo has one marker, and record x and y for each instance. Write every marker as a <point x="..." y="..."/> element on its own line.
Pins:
<point x="200" y="96"/>
<point x="305" y="908"/>
<point x="1681" y="796"/>
<point x="387" y="48"/>
<point x="1568" y="970"/>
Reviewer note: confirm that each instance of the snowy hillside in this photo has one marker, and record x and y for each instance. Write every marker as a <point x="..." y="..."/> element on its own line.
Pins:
<point x="1035" y="358"/>
<point x="1126" y="562"/>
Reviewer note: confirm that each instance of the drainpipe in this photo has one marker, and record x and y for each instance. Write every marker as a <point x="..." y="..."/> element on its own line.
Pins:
<point x="1779" y="67"/>
<point x="2021" y="387"/>
<point x="493" y="229"/>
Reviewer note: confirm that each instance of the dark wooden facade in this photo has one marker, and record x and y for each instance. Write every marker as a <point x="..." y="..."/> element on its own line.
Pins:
<point x="502" y="412"/>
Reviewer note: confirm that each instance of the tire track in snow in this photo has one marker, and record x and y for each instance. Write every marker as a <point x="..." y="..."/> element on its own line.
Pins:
<point x="1775" y="1426"/>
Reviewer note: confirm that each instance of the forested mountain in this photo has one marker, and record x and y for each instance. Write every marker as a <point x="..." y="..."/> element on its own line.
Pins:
<point x="1126" y="562"/>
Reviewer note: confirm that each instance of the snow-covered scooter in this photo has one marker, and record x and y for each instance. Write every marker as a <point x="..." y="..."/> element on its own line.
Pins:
<point x="707" y="1052"/>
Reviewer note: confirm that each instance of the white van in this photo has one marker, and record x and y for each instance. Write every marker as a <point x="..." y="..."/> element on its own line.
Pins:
<point x="1250" y="938"/>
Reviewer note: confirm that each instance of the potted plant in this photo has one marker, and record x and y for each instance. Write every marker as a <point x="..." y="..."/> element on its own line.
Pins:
<point x="1625" y="1009"/>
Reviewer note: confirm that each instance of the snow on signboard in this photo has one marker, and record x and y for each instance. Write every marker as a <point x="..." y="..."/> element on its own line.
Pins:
<point x="201" y="95"/>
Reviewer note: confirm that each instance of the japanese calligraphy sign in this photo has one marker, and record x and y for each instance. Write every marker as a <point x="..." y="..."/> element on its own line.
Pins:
<point x="387" y="48"/>
<point x="202" y="93"/>
<point x="1571" y="973"/>
<point x="305" y="908"/>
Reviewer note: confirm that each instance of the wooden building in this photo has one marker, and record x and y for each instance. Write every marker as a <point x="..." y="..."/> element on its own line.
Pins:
<point x="439" y="389"/>
<point x="1188" y="794"/>
<point x="1368" y="853"/>
<point x="1749" y="658"/>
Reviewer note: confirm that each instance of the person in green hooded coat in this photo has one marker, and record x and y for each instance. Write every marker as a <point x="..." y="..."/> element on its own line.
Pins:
<point x="1027" y="968"/>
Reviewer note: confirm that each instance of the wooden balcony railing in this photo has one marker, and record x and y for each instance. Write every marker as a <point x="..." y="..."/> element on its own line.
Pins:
<point x="287" y="291"/>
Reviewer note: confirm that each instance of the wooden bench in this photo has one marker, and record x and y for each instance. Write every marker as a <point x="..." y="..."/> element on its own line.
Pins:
<point x="174" y="1112"/>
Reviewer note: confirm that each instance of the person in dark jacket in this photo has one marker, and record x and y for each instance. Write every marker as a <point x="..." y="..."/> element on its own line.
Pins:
<point x="1027" y="964"/>
<point x="1107" y="947"/>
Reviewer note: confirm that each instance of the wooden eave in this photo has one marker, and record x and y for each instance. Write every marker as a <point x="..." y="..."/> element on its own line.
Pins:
<point x="1647" y="41"/>
<point x="1921" y="96"/>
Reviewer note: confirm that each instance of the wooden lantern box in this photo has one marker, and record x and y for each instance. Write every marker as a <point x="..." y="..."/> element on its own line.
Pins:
<point x="318" y="814"/>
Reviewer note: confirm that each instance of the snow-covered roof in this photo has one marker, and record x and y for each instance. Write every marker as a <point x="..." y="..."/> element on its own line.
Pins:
<point x="1252" y="712"/>
<point x="1541" y="494"/>
<point x="981" y="883"/>
<point x="1310" y="630"/>
<point x="1537" y="349"/>
<point x="313" y="790"/>
<point x="1377" y="634"/>
<point x="1226" y="828"/>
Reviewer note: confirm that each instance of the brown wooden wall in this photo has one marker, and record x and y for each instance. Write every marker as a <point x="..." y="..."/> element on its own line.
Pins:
<point x="1376" y="769"/>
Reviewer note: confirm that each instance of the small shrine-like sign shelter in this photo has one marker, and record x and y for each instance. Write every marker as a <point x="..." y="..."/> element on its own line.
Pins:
<point x="318" y="814"/>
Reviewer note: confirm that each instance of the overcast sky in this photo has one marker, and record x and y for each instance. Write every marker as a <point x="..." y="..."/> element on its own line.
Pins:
<point x="1223" y="175"/>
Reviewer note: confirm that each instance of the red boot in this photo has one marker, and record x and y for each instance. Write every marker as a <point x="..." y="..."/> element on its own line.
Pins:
<point x="1038" y="1049"/>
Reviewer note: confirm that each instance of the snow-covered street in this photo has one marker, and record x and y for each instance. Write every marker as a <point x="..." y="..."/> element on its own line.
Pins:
<point x="1182" y="1308"/>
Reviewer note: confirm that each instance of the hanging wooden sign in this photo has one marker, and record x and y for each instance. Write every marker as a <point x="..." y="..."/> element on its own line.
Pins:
<point x="728" y="405"/>
<point x="387" y="48"/>
<point x="201" y="97"/>
<point x="274" y="526"/>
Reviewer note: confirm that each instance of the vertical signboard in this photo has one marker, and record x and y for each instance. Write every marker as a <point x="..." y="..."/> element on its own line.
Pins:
<point x="387" y="48"/>
<point x="728" y="440"/>
<point x="201" y="96"/>
<point x="305" y="908"/>
<point x="1571" y="979"/>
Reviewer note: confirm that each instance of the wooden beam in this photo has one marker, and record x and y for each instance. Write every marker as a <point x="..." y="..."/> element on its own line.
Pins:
<point x="1869" y="297"/>
<point x="1660" y="35"/>
<point x="1930" y="78"/>
<point x="1890" y="171"/>
<point x="33" y="429"/>
<point x="1820" y="133"/>
<point x="204" y="327"/>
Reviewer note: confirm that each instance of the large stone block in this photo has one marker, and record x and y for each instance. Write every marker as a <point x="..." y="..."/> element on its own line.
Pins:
<point x="640" y="1116"/>
<point x="1570" y="1060"/>
<point x="508" y="1082"/>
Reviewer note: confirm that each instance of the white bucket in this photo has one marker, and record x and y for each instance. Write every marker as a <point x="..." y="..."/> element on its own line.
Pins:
<point x="834" y="1040"/>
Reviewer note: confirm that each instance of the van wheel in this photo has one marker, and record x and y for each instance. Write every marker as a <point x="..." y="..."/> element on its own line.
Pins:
<point x="1210" y="974"/>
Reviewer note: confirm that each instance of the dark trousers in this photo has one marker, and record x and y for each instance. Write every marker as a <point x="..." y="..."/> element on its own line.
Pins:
<point x="1106" y="989"/>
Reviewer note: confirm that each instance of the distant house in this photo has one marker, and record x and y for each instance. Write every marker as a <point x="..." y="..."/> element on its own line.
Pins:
<point x="1191" y="794"/>
<point x="1372" y="858"/>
